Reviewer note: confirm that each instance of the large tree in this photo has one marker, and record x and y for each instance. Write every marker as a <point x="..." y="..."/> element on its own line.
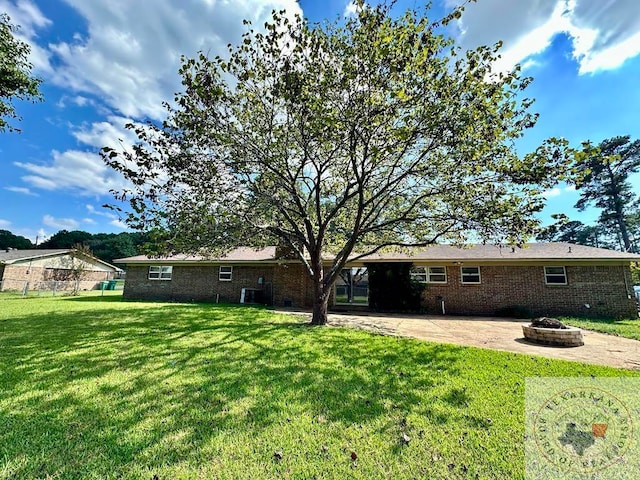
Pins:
<point x="67" y="239"/>
<point x="9" y="240"/>
<point x="337" y="141"/>
<point x="16" y="81"/>
<point x="603" y="180"/>
<point x="574" y="231"/>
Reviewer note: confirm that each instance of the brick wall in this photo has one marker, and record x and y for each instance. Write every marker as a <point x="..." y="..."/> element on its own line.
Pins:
<point x="198" y="283"/>
<point x="286" y="284"/>
<point x="603" y="288"/>
<point x="292" y="286"/>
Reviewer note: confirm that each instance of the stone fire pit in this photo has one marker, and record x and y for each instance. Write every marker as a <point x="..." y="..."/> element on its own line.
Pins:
<point x="549" y="331"/>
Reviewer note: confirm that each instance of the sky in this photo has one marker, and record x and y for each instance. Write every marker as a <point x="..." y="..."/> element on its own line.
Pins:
<point x="104" y="63"/>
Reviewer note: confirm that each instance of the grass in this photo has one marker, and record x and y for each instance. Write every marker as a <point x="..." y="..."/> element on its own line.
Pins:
<point x="621" y="328"/>
<point x="94" y="387"/>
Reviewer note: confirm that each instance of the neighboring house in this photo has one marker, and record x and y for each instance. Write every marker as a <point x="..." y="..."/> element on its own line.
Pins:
<point x="47" y="269"/>
<point x="543" y="278"/>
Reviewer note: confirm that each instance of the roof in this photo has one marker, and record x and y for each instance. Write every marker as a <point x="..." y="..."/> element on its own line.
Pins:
<point x="490" y="253"/>
<point x="15" y="255"/>
<point x="240" y="255"/>
<point x="529" y="252"/>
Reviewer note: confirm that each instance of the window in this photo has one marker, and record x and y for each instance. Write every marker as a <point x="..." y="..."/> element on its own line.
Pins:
<point x="470" y="274"/>
<point x="225" y="274"/>
<point x="429" y="274"/>
<point x="157" y="272"/>
<point x="555" y="276"/>
<point x="352" y="287"/>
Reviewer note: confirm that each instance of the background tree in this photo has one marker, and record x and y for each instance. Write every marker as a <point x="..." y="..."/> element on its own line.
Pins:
<point x="109" y="246"/>
<point x="105" y="246"/>
<point x="15" y="73"/>
<point x="67" y="239"/>
<point x="9" y="240"/>
<point x="603" y="180"/>
<point x="574" y="231"/>
<point x="339" y="139"/>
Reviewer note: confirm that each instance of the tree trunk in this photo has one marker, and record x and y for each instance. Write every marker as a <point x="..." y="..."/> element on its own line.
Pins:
<point x="320" y="307"/>
<point x="622" y="225"/>
<point x="320" y="293"/>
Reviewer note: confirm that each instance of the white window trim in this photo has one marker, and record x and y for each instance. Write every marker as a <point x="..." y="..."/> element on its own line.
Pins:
<point x="463" y="282"/>
<point x="162" y="272"/>
<point x="564" y="274"/>
<point x="220" y="273"/>
<point x="427" y="274"/>
<point x="419" y="276"/>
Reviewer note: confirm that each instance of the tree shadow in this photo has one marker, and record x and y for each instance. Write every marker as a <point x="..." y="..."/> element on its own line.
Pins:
<point x="121" y="381"/>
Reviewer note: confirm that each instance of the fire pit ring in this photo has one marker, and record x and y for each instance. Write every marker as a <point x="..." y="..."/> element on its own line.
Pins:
<point x="560" y="337"/>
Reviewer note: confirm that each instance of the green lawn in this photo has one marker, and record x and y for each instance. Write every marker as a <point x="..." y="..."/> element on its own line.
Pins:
<point x="621" y="328"/>
<point x="94" y="387"/>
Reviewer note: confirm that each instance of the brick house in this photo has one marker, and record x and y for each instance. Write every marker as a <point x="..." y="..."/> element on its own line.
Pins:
<point x="543" y="278"/>
<point x="42" y="269"/>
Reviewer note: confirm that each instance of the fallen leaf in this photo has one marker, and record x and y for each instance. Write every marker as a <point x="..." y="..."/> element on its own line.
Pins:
<point x="354" y="456"/>
<point x="277" y="455"/>
<point x="405" y="438"/>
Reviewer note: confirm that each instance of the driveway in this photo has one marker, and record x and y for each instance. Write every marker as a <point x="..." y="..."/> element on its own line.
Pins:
<point x="497" y="334"/>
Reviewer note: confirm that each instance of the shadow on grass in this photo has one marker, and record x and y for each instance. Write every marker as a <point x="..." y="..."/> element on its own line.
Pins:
<point x="96" y="391"/>
<point x="95" y="299"/>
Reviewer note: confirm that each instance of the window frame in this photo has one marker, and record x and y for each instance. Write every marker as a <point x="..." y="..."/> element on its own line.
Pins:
<point x="163" y="272"/>
<point x="562" y="275"/>
<point x="462" y="275"/>
<point x="225" y="273"/>
<point x="427" y="273"/>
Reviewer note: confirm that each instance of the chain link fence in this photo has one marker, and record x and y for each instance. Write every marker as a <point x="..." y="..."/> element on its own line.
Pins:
<point x="21" y="288"/>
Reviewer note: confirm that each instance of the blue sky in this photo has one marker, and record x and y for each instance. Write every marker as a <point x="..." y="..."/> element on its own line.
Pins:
<point x="104" y="63"/>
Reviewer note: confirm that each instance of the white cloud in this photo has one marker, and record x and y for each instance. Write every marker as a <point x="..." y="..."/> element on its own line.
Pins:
<point x="80" y="170"/>
<point x="103" y="212"/>
<point x="351" y="9"/>
<point x="111" y="132"/>
<point x="74" y="170"/>
<point x="128" y="60"/>
<point x="22" y="190"/>
<point x="90" y="221"/>
<point x="131" y="51"/>
<point x="557" y="191"/>
<point x="115" y="220"/>
<point x="554" y="192"/>
<point x="60" y="223"/>
<point x="28" y="16"/>
<point x="77" y="100"/>
<point x="4" y="223"/>
<point x="118" y="223"/>
<point x="604" y="33"/>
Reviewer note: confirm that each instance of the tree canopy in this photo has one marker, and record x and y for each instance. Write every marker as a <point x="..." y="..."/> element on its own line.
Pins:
<point x="106" y="246"/>
<point x="16" y="81"/>
<point x="373" y="132"/>
<point x="9" y="240"/>
<point x="602" y="180"/>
